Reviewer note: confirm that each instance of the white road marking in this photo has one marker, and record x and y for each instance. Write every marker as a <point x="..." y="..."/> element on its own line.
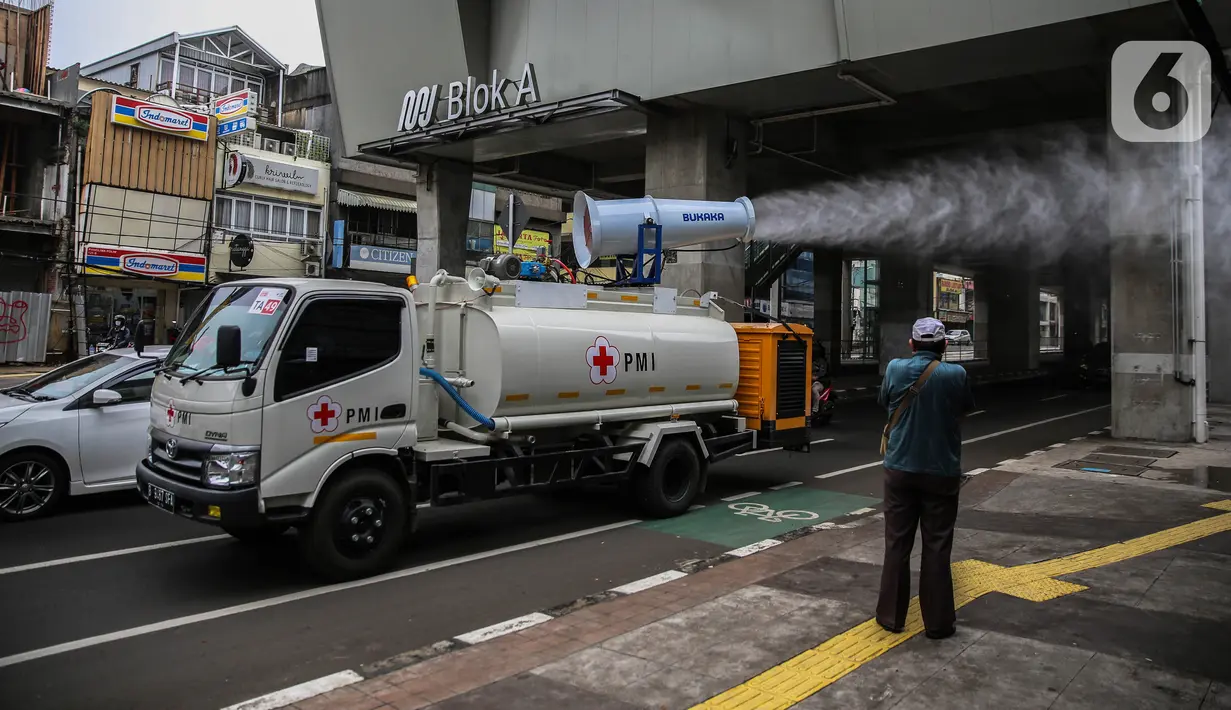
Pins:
<point x="1096" y="432"/>
<point x="976" y="472"/>
<point x="759" y="451"/>
<point x="1056" y="446"/>
<point x="862" y="511"/>
<point x="1036" y="452"/>
<point x="820" y="441"/>
<point x="754" y="548"/>
<point x="1041" y="422"/>
<point x="1006" y="462"/>
<point x="294" y="597"/>
<point x="985" y="437"/>
<point x="303" y="691"/>
<point x="649" y="582"/>
<point x="1058" y="396"/>
<point x="696" y="507"/>
<point x="831" y="474"/>
<point x="487" y="633"/>
<point x="111" y="553"/>
<point x="1107" y="428"/>
<point x="977" y="412"/>
<point x="424" y="505"/>
<point x="742" y="495"/>
<point x="1078" y="438"/>
<point x="788" y="484"/>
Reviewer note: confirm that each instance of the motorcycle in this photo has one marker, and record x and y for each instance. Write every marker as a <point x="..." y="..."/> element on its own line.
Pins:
<point x="822" y="397"/>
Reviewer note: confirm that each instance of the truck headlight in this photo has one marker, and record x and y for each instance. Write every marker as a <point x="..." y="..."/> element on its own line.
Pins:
<point x="237" y="468"/>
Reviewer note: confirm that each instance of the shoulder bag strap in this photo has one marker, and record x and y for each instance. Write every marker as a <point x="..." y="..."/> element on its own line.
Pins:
<point x="909" y="397"/>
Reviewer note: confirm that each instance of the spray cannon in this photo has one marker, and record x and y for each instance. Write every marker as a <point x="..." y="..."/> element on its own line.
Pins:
<point x="618" y="227"/>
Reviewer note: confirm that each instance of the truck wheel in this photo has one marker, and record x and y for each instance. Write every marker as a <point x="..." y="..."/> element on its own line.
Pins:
<point x="357" y="527"/>
<point x="672" y="481"/>
<point x="256" y="535"/>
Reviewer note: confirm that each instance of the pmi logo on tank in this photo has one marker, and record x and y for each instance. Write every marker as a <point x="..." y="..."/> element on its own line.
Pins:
<point x="704" y="217"/>
<point x="605" y="360"/>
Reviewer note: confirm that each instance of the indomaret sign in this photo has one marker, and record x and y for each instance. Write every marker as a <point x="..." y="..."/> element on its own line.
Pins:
<point x="466" y="100"/>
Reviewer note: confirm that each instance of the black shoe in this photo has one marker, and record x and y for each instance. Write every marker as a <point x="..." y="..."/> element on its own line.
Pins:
<point x="941" y="634"/>
<point x="890" y="629"/>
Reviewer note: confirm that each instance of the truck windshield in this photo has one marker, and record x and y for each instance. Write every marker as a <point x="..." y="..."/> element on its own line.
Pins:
<point x="257" y="310"/>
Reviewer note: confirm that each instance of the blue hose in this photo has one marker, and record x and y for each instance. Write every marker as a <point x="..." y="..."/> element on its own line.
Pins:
<point x="457" y="397"/>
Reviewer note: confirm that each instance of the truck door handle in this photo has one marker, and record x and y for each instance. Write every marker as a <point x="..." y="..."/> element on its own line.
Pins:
<point x="393" y="411"/>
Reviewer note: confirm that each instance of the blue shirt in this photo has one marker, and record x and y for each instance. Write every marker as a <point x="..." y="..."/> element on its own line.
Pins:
<point x="928" y="437"/>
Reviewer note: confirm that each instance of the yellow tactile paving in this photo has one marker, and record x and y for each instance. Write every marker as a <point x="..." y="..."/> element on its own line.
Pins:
<point x="791" y="682"/>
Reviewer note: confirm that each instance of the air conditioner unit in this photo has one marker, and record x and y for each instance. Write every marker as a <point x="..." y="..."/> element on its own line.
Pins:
<point x="309" y="250"/>
<point x="312" y="269"/>
<point x="288" y="148"/>
<point x="271" y="145"/>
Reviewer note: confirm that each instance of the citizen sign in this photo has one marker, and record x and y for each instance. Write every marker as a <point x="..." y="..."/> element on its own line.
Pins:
<point x="466" y="100"/>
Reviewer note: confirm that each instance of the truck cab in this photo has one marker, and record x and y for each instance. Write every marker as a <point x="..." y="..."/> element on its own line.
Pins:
<point x="273" y="389"/>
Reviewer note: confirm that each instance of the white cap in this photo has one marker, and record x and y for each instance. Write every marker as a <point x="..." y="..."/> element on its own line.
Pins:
<point x="927" y="330"/>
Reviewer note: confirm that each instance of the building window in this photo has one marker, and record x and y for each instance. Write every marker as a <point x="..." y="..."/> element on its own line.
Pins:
<point x="134" y="75"/>
<point x="381" y="228"/>
<point x="267" y="219"/>
<point x="203" y="83"/>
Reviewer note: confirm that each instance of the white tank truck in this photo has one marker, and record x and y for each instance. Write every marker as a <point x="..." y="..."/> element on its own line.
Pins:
<point x="340" y="408"/>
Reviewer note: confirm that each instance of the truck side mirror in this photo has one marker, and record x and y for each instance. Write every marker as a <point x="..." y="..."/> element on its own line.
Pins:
<point x="229" y="353"/>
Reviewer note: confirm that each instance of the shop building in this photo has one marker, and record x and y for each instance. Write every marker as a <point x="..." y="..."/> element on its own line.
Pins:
<point x="269" y="213"/>
<point x="37" y="164"/>
<point x="143" y="218"/>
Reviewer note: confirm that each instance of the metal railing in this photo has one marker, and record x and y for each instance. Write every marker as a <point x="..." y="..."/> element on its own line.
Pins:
<point x="968" y="351"/>
<point x="867" y="350"/>
<point x="194" y="96"/>
<point x="1051" y="344"/>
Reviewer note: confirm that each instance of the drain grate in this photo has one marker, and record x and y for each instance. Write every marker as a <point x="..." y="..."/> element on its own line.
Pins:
<point x="1120" y="459"/>
<point x="1099" y="467"/>
<point x="1136" y="451"/>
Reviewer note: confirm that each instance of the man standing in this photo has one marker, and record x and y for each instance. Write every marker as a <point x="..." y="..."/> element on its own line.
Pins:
<point x="922" y="446"/>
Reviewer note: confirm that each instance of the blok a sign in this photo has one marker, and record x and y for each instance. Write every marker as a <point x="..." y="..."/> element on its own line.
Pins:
<point x="471" y="99"/>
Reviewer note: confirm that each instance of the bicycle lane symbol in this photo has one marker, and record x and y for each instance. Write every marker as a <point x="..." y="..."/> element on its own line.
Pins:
<point x="764" y="513"/>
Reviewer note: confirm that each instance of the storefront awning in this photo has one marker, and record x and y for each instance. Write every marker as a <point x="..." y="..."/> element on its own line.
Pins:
<point x="351" y="198"/>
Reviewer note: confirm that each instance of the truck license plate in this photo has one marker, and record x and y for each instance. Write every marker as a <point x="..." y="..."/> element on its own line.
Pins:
<point x="160" y="497"/>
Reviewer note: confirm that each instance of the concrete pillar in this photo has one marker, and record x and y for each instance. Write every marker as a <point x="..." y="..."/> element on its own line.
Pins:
<point x="829" y="303"/>
<point x="699" y="155"/>
<point x="1012" y="330"/>
<point x="1146" y="400"/>
<point x="443" y="193"/>
<point x="905" y="296"/>
<point x="1077" y="302"/>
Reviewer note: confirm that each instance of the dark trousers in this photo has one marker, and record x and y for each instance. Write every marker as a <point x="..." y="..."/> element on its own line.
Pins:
<point x="930" y="503"/>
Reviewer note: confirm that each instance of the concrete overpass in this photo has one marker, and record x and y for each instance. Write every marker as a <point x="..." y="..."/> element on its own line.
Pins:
<point x="692" y="99"/>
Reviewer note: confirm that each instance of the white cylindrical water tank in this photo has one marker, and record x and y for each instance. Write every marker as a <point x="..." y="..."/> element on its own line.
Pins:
<point x="609" y="227"/>
<point x="545" y="361"/>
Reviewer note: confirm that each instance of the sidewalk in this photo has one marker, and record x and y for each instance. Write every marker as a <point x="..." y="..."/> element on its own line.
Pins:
<point x="1078" y="589"/>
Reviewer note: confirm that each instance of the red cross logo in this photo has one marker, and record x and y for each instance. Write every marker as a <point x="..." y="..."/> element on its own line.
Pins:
<point x="323" y="415"/>
<point x="603" y="358"/>
<point x="171" y="413"/>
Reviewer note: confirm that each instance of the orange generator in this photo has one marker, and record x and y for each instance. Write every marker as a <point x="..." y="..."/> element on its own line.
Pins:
<point x="775" y="382"/>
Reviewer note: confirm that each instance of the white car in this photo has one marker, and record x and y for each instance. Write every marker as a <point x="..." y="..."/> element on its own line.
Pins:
<point x="78" y="429"/>
<point x="958" y="337"/>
